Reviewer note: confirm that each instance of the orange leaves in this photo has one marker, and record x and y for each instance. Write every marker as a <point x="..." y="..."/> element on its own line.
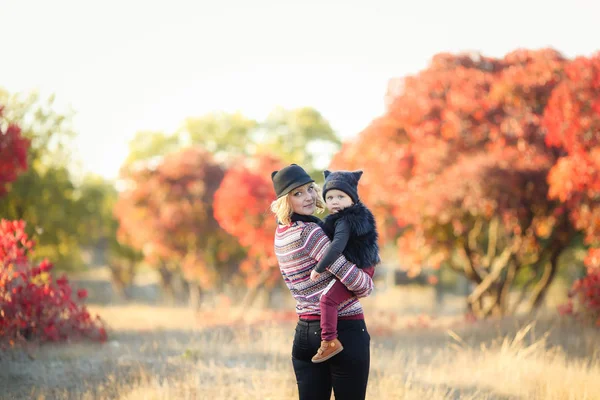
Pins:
<point x="188" y="211"/>
<point x="572" y="120"/>
<point x="465" y="139"/>
<point x="167" y="213"/>
<point x="593" y="259"/>
<point x="572" y="117"/>
<point x="571" y="176"/>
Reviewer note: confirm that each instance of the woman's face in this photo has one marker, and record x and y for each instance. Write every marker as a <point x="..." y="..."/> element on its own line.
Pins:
<point x="304" y="199"/>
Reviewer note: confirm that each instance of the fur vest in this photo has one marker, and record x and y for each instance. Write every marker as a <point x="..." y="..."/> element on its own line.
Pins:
<point x="362" y="248"/>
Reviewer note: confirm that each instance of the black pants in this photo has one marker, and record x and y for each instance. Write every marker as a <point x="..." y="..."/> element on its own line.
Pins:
<point x="347" y="373"/>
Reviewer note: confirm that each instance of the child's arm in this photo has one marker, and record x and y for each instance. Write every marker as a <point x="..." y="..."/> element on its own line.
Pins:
<point x="337" y="246"/>
<point x="355" y="279"/>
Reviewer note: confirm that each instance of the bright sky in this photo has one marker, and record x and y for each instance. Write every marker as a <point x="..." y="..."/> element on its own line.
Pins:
<point x="126" y="65"/>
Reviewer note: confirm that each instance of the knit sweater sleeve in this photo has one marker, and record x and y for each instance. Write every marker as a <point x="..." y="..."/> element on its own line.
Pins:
<point x="348" y="274"/>
<point x="338" y="244"/>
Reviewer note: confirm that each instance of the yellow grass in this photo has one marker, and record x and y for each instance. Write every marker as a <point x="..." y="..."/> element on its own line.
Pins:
<point x="169" y="353"/>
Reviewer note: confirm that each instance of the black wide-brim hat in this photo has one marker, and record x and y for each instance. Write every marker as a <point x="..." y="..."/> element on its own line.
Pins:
<point x="289" y="178"/>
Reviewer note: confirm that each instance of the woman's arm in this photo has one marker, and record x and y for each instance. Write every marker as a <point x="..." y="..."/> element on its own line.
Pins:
<point x="338" y="244"/>
<point x="315" y="244"/>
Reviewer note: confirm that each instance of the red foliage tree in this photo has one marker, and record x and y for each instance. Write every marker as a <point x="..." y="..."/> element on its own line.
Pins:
<point x="167" y="213"/>
<point x="13" y="152"/>
<point x="572" y="119"/>
<point x="460" y="159"/>
<point x="242" y="209"/>
<point x="34" y="305"/>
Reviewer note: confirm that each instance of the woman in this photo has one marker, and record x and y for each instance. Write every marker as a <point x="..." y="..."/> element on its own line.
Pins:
<point x="299" y="245"/>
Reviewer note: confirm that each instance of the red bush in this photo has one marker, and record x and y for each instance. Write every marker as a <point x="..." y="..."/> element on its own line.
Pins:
<point x="584" y="298"/>
<point x="34" y="306"/>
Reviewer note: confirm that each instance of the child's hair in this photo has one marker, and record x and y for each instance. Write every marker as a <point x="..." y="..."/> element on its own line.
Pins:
<point x="283" y="209"/>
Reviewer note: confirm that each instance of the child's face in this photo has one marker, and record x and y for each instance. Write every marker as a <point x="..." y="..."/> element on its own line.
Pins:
<point x="337" y="200"/>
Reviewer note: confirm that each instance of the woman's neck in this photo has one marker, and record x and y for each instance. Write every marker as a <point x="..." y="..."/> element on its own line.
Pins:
<point x="305" y="218"/>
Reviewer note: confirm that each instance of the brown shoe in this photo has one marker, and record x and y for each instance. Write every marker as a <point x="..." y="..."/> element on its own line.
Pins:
<point x="327" y="350"/>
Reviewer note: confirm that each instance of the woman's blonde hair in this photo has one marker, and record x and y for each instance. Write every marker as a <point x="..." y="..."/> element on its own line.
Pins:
<point x="282" y="208"/>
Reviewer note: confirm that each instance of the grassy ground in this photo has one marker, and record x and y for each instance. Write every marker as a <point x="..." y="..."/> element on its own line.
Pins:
<point x="173" y="353"/>
<point x="157" y="352"/>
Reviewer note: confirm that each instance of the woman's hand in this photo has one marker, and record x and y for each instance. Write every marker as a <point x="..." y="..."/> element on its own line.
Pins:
<point x="314" y="275"/>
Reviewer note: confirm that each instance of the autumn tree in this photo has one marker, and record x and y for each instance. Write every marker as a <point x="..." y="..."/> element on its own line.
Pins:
<point x="297" y="135"/>
<point x="572" y="119"/>
<point x="242" y="208"/>
<point x="167" y="214"/>
<point x="221" y="132"/>
<point x="464" y="142"/>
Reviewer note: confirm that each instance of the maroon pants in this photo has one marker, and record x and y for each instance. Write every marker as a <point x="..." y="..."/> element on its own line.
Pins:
<point x="329" y="302"/>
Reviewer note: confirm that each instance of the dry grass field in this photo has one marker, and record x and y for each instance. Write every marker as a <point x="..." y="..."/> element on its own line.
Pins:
<point x="158" y="352"/>
<point x="172" y="353"/>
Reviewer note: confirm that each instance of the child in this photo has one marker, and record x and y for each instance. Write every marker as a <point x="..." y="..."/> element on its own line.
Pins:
<point x="351" y="228"/>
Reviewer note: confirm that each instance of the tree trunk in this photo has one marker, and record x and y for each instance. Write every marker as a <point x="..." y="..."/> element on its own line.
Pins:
<point x="253" y="291"/>
<point x="475" y="306"/>
<point x="181" y="288"/>
<point x="120" y="281"/>
<point x="468" y="266"/>
<point x="541" y="287"/>
<point x="119" y="291"/>
<point x="166" y="284"/>
<point x="251" y="295"/>
<point x="504" y="294"/>
<point x="195" y="296"/>
<point x="556" y="247"/>
<point x="485" y="305"/>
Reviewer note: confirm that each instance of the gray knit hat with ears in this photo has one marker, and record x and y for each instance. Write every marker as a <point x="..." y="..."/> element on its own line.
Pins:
<point x="346" y="181"/>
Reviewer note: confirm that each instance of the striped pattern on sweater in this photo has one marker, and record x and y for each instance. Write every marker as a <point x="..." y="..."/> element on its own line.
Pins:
<point x="298" y="248"/>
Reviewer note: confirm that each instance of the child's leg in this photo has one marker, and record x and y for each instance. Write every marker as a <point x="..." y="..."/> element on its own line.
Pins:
<point x="329" y="302"/>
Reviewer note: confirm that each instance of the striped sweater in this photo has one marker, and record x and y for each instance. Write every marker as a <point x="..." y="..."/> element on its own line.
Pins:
<point x="298" y="248"/>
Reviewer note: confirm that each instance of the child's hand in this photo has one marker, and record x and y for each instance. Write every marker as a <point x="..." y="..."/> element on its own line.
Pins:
<point x="314" y="275"/>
